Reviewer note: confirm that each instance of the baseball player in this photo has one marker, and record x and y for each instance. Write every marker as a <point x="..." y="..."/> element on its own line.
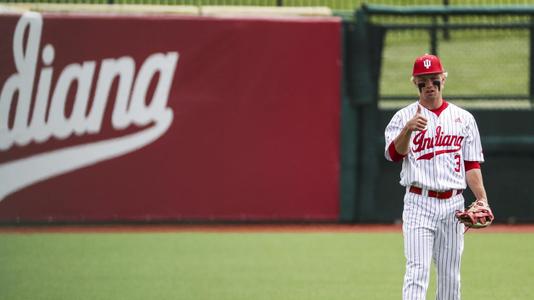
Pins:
<point x="439" y="146"/>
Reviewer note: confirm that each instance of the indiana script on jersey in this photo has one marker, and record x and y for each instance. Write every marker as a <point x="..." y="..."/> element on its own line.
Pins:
<point x="422" y="142"/>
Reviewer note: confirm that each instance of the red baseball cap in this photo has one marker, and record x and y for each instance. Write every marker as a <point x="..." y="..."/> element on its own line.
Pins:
<point x="427" y="64"/>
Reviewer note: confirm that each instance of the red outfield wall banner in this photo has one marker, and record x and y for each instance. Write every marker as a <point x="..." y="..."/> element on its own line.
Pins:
<point x="120" y="118"/>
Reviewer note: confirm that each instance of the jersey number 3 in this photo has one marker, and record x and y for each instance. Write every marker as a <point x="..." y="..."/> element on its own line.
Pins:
<point x="458" y="160"/>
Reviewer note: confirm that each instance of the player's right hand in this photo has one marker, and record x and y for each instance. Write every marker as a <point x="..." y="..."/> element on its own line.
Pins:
<point x="418" y="122"/>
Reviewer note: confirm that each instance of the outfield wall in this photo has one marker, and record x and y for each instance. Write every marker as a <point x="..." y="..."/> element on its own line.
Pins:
<point x="162" y="117"/>
<point x="129" y="117"/>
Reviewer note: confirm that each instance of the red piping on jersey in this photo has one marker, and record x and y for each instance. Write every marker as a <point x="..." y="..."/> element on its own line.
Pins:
<point x="395" y="156"/>
<point x="438" y="110"/>
<point x="469" y="165"/>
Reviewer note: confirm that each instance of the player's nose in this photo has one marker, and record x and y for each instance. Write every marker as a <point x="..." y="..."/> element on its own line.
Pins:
<point x="429" y="83"/>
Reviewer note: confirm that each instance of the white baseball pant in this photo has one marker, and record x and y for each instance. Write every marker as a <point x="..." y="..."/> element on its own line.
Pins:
<point x="432" y="233"/>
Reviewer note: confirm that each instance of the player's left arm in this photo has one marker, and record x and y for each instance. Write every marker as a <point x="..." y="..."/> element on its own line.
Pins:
<point x="476" y="184"/>
<point x="473" y="156"/>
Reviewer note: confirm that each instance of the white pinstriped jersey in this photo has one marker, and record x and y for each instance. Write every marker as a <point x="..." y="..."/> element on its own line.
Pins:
<point x="437" y="154"/>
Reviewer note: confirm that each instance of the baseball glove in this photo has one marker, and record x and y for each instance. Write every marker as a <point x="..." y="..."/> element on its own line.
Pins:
<point x="477" y="215"/>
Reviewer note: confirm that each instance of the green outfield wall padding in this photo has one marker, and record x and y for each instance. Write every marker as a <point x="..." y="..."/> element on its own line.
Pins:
<point x="349" y="132"/>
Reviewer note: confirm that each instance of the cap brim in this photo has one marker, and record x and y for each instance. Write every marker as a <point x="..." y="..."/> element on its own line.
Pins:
<point x="427" y="73"/>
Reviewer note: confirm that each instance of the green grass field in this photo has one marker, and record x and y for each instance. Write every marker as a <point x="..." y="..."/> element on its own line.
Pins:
<point x="245" y="266"/>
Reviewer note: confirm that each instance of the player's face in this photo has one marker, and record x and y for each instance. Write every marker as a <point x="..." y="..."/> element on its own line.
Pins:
<point x="429" y="85"/>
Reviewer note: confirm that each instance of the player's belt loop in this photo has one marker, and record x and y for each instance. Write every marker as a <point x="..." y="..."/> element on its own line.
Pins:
<point x="425" y="193"/>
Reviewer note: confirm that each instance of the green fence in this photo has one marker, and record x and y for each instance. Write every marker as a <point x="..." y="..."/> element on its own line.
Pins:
<point x="488" y="51"/>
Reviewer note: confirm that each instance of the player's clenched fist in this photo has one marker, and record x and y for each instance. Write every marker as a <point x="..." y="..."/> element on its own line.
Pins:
<point x="418" y="122"/>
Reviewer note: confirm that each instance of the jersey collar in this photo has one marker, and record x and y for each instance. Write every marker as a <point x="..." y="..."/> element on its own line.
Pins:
<point x="440" y="109"/>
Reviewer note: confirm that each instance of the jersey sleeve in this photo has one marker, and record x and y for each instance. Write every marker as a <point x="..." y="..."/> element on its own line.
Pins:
<point x="473" y="147"/>
<point x="393" y="129"/>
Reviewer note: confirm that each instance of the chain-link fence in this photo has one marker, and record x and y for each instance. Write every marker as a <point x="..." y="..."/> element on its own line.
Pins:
<point x="488" y="55"/>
